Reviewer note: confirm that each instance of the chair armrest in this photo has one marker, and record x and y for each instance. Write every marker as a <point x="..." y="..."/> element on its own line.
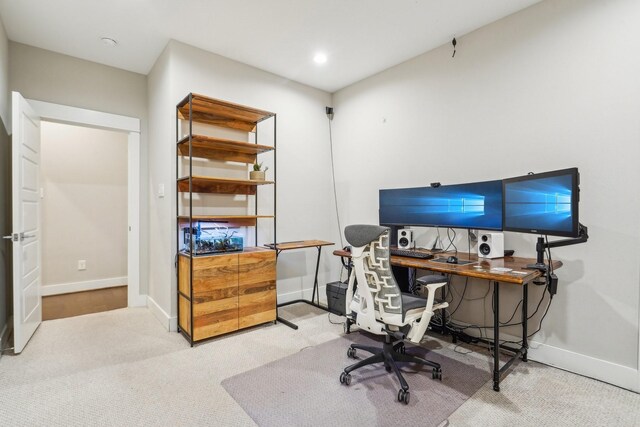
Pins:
<point x="418" y="329"/>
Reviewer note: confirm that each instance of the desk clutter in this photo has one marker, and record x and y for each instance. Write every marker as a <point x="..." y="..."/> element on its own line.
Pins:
<point x="505" y="271"/>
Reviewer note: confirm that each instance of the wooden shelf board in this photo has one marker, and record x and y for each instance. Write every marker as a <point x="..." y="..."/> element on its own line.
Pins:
<point x="227" y="220"/>
<point x="209" y="147"/>
<point x="222" y="217"/>
<point x="204" y="184"/>
<point x="222" y="113"/>
<point x="246" y="249"/>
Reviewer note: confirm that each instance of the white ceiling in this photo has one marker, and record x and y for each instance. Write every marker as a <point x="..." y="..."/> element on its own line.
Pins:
<point x="359" y="37"/>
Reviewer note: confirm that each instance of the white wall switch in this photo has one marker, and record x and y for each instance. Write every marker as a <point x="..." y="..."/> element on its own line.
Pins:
<point x="82" y="264"/>
<point x="161" y="190"/>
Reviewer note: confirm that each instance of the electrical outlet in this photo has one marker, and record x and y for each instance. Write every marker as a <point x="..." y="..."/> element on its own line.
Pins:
<point x="82" y="264"/>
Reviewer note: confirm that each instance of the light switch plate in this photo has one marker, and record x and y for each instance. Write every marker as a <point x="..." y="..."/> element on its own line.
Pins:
<point x="161" y="190"/>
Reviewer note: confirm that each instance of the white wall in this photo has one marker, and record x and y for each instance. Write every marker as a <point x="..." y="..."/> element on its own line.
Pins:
<point x="5" y="103"/>
<point x="84" y="210"/>
<point x="5" y="183"/>
<point x="304" y="206"/>
<point x="553" y="86"/>
<point x="47" y="76"/>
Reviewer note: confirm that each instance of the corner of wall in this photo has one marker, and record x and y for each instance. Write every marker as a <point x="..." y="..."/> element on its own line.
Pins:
<point x="5" y="94"/>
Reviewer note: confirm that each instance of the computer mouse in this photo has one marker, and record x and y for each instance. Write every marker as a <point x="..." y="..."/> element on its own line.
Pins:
<point x="452" y="260"/>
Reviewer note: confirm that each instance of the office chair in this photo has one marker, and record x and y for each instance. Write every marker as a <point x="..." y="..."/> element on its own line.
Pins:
<point x="381" y="308"/>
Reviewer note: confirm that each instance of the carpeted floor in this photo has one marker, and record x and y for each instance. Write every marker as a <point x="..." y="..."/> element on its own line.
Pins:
<point x="310" y="378"/>
<point x="122" y="368"/>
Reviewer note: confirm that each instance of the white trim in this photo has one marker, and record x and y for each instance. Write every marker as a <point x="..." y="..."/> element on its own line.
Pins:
<point x="638" y="353"/>
<point x="133" y="232"/>
<point x="97" y="119"/>
<point x="89" y="285"/>
<point x="71" y="115"/>
<point x="612" y="373"/>
<point x="169" y="323"/>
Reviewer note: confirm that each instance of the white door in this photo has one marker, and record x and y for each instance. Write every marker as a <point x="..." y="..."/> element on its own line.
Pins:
<point x="25" y="185"/>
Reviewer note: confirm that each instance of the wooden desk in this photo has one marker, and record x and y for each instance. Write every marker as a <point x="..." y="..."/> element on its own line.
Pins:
<point x="482" y="269"/>
<point x="302" y="244"/>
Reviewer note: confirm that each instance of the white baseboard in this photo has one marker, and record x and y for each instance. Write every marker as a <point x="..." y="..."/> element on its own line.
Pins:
<point x="603" y="370"/>
<point x="302" y="294"/>
<point x="169" y="323"/>
<point x="138" y="301"/>
<point x="65" y="288"/>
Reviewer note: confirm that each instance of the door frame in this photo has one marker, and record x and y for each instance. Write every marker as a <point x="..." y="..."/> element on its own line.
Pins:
<point x="96" y="119"/>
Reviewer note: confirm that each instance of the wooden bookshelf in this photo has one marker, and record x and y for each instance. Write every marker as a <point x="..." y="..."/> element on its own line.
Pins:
<point x="208" y="147"/>
<point x="221" y="292"/>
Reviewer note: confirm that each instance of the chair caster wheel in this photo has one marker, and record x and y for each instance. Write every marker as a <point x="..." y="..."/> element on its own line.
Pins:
<point x="436" y="374"/>
<point x="403" y="396"/>
<point x="351" y="353"/>
<point x="345" y="378"/>
<point x="388" y="368"/>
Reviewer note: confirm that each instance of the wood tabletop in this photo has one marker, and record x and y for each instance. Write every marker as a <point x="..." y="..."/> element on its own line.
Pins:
<point x="479" y="268"/>
<point x="300" y="244"/>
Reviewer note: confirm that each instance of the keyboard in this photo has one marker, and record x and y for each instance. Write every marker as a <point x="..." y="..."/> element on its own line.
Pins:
<point x="411" y="254"/>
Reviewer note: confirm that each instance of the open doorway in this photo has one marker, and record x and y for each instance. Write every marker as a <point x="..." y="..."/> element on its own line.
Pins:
<point x="83" y="181"/>
<point x="27" y="116"/>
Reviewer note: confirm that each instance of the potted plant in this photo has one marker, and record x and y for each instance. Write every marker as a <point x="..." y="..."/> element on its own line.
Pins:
<point x="257" y="174"/>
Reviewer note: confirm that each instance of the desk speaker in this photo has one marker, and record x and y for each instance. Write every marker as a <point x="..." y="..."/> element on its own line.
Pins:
<point x="491" y="245"/>
<point x="405" y="239"/>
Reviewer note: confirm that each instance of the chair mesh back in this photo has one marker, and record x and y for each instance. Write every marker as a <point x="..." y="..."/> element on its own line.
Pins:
<point x="377" y="270"/>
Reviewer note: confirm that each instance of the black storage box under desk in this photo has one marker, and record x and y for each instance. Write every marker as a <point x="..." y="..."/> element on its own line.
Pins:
<point x="336" y="297"/>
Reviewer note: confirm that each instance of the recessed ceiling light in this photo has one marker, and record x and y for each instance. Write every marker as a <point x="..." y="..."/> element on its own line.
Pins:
<point x="108" y="41"/>
<point x="320" y="58"/>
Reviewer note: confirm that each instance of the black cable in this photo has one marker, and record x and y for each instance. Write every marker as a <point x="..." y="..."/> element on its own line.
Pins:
<point x="451" y="240"/>
<point x="549" y="254"/>
<point x="333" y="323"/>
<point x="512" y="315"/>
<point x="466" y="283"/>
<point x="503" y="324"/>
<point x="333" y="177"/>
<point x="541" y="320"/>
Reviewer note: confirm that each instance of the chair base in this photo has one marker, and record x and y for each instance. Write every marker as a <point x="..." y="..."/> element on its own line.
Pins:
<point x="389" y="354"/>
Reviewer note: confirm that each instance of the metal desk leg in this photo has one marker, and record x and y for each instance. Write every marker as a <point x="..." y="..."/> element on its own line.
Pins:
<point x="496" y="336"/>
<point x="278" y="318"/>
<point x="315" y="280"/>
<point x="316" y="292"/>
<point x="525" y="343"/>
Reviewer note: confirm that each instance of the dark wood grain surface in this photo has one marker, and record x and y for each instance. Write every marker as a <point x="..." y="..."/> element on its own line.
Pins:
<point x="480" y="268"/>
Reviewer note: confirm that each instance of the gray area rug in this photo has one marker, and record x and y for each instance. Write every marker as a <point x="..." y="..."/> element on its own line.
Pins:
<point x="304" y="389"/>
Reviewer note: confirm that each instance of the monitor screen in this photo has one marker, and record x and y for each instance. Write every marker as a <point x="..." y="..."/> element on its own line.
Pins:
<point x="475" y="205"/>
<point x="544" y="203"/>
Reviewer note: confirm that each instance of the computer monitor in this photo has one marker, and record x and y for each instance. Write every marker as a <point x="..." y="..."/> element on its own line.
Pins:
<point x="543" y="203"/>
<point x="474" y="205"/>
